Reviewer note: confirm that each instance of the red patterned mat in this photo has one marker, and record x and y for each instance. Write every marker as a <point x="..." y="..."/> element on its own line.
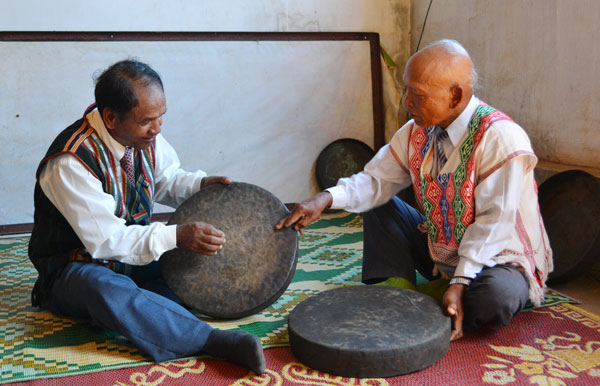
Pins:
<point x="556" y="345"/>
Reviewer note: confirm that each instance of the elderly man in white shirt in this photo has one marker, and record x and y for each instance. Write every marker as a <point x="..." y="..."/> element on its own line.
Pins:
<point x="92" y="243"/>
<point x="471" y="168"/>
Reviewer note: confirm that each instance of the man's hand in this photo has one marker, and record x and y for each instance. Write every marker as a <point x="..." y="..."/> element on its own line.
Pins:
<point x="207" y="181"/>
<point x="306" y="212"/>
<point x="200" y="237"/>
<point x="452" y="303"/>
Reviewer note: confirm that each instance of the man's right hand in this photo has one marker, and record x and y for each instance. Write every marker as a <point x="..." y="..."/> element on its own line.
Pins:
<point x="200" y="237"/>
<point x="306" y="212"/>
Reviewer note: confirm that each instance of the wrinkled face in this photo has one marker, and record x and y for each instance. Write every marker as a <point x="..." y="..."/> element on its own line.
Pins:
<point x="426" y="99"/>
<point x="142" y="124"/>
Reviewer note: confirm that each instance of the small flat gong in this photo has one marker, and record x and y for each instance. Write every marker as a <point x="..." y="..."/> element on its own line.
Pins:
<point x="341" y="158"/>
<point x="256" y="263"/>
<point x="369" y="331"/>
<point x="570" y="207"/>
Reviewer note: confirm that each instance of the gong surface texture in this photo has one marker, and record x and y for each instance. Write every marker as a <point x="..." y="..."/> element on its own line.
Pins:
<point x="256" y="263"/>
<point x="369" y="331"/>
<point x="341" y="158"/>
<point x="570" y="207"/>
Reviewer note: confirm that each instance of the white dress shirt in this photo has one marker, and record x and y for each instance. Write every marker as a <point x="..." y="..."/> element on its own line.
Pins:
<point x="496" y="197"/>
<point x="79" y="196"/>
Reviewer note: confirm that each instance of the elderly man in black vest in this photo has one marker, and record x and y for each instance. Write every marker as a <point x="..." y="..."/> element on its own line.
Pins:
<point x="92" y="243"/>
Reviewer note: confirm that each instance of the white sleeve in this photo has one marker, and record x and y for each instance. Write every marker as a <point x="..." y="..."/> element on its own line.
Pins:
<point x="173" y="185"/>
<point x="79" y="196"/>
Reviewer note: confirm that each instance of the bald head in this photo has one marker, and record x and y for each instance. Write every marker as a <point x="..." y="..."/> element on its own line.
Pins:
<point x="445" y="62"/>
<point x="440" y="73"/>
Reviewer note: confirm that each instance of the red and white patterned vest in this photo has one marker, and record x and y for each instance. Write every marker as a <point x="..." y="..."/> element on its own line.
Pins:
<point x="448" y="200"/>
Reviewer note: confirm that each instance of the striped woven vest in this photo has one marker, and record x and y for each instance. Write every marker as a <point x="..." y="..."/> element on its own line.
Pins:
<point x="448" y="200"/>
<point x="53" y="242"/>
<point x="133" y="201"/>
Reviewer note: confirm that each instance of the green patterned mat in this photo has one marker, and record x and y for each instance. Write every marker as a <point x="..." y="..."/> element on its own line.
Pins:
<point x="37" y="344"/>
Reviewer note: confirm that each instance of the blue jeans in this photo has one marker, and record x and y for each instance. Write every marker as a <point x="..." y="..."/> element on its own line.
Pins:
<point x="139" y="306"/>
<point x="394" y="247"/>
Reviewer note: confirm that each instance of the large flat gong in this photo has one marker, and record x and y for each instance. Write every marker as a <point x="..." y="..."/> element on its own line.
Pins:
<point x="369" y="331"/>
<point x="256" y="263"/>
<point x="570" y="207"/>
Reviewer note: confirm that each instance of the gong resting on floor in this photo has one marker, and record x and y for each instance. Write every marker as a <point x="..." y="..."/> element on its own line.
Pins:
<point x="369" y="331"/>
<point x="256" y="263"/>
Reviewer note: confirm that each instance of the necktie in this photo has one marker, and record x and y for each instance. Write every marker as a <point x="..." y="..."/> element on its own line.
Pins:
<point x="441" y="135"/>
<point x="127" y="164"/>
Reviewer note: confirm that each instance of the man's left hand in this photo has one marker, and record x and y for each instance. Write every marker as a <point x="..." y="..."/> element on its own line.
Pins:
<point x="207" y="181"/>
<point x="452" y="303"/>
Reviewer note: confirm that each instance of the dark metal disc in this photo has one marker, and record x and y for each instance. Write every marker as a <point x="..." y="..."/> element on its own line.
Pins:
<point x="369" y="331"/>
<point x="254" y="267"/>
<point x="570" y="207"/>
<point x="341" y="158"/>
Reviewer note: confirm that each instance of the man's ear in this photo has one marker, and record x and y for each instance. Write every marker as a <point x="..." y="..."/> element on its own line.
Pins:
<point x="456" y="95"/>
<point x="110" y="119"/>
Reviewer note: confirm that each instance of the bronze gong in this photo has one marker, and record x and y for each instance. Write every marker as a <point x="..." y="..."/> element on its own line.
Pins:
<point x="369" y="331"/>
<point x="256" y="263"/>
<point x="570" y="207"/>
<point x="341" y="158"/>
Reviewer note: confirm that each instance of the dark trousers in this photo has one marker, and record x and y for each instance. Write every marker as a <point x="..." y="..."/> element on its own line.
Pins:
<point x="140" y="307"/>
<point x="394" y="247"/>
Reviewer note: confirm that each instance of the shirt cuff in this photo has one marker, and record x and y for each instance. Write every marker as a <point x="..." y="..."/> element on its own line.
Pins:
<point x="169" y="240"/>
<point x="467" y="268"/>
<point x="339" y="197"/>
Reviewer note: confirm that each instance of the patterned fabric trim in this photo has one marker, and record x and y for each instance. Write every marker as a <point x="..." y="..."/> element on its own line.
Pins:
<point x="529" y="253"/>
<point x="78" y="137"/>
<point x="503" y="162"/>
<point x="395" y="155"/>
<point x="133" y="202"/>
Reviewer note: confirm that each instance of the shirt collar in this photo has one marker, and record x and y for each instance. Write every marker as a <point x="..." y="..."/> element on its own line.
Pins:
<point x="457" y="129"/>
<point x="95" y="120"/>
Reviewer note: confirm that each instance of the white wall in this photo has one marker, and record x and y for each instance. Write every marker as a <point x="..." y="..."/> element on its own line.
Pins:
<point x="26" y="74"/>
<point x="389" y="18"/>
<point x="538" y="61"/>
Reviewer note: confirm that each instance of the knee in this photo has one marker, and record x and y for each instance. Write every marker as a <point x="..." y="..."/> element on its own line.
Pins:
<point x="495" y="298"/>
<point x="378" y="213"/>
<point x="393" y="215"/>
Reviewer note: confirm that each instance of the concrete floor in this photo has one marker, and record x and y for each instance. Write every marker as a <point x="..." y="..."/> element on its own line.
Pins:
<point x="585" y="289"/>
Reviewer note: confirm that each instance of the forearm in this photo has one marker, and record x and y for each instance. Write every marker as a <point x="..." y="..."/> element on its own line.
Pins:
<point x="137" y="244"/>
<point x="173" y="185"/>
<point x="383" y="177"/>
<point x="176" y="187"/>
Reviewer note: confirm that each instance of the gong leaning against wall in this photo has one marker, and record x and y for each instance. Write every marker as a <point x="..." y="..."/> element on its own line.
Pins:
<point x="341" y="158"/>
<point x="570" y="207"/>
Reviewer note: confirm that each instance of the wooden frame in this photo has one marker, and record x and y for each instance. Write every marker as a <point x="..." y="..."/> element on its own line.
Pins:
<point x="371" y="38"/>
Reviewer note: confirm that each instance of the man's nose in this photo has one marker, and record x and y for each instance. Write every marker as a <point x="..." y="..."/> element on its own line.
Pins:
<point x="156" y="126"/>
<point x="407" y="99"/>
